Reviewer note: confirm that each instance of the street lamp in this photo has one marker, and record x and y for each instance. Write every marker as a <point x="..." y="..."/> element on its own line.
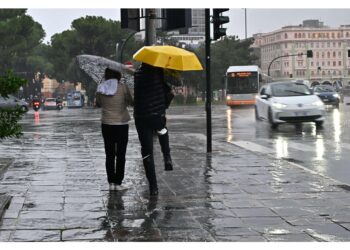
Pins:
<point x="309" y="54"/>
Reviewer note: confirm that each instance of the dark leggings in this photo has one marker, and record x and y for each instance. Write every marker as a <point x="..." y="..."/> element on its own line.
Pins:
<point x="116" y="141"/>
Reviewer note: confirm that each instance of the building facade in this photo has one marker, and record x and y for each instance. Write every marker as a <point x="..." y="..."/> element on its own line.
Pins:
<point x="195" y="35"/>
<point x="330" y="48"/>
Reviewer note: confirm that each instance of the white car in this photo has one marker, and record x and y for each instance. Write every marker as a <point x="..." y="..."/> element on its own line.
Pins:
<point x="288" y="102"/>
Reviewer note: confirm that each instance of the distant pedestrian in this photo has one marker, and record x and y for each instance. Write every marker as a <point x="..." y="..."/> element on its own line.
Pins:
<point x="114" y="97"/>
<point x="149" y="114"/>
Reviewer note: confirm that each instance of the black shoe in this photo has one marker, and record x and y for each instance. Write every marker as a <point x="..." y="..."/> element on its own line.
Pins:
<point x="153" y="192"/>
<point x="168" y="164"/>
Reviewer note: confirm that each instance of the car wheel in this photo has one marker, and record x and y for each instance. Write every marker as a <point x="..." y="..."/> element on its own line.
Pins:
<point x="273" y="124"/>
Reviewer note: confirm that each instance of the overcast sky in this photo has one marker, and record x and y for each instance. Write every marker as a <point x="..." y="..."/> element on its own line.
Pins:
<point x="56" y="20"/>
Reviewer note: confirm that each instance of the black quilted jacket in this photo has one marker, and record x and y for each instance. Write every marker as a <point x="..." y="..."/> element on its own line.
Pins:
<point x="149" y="97"/>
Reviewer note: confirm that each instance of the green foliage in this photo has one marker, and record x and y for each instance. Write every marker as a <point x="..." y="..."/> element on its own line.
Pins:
<point x="10" y="83"/>
<point x="9" y="117"/>
<point x="20" y="35"/>
<point x="89" y="35"/>
<point x="224" y="53"/>
<point x="9" y="126"/>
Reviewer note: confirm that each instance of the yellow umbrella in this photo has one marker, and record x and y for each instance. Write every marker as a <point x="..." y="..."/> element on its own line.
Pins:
<point x="168" y="57"/>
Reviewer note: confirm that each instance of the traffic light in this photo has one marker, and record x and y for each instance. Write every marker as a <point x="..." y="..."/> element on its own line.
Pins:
<point x="348" y="52"/>
<point x="309" y="54"/>
<point x="130" y="19"/>
<point x="176" y="19"/>
<point x="218" y="21"/>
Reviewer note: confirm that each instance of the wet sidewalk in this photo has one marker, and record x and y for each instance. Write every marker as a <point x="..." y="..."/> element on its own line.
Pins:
<point x="59" y="192"/>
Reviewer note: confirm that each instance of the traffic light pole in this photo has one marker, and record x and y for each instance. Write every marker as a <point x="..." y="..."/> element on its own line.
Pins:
<point x="268" y="69"/>
<point x="208" y="87"/>
<point x="150" y="27"/>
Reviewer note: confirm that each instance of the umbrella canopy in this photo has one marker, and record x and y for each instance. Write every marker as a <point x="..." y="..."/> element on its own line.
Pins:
<point x="168" y="57"/>
<point x="95" y="66"/>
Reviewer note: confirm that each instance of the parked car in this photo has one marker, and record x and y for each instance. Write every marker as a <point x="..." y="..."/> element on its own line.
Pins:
<point x="327" y="94"/>
<point x="13" y="102"/>
<point x="49" y="103"/>
<point x="288" y="102"/>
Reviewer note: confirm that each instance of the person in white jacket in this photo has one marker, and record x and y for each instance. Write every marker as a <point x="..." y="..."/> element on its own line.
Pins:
<point x="114" y="98"/>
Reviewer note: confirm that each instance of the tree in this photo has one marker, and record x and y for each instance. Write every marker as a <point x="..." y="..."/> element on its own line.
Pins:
<point x="228" y="52"/>
<point x="20" y="36"/>
<point x="89" y="35"/>
<point x="9" y="117"/>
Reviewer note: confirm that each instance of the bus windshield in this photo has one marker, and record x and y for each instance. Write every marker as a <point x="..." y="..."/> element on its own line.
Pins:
<point x="242" y="83"/>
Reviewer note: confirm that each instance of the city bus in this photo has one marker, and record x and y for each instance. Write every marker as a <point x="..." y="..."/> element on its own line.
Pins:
<point x="75" y="99"/>
<point x="243" y="84"/>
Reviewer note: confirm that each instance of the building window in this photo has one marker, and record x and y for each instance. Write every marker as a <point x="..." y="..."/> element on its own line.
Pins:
<point x="339" y="54"/>
<point x="328" y="54"/>
<point x="339" y="63"/>
<point x="317" y="54"/>
<point x="328" y="63"/>
<point x="334" y="54"/>
<point x="334" y="63"/>
<point x="295" y="35"/>
<point x="311" y="45"/>
<point x="312" y="64"/>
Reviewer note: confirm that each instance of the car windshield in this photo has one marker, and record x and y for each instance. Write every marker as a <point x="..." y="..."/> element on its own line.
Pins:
<point x="50" y="100"/>
<point x="289" y="89"/>
<point x="325" y="88"/>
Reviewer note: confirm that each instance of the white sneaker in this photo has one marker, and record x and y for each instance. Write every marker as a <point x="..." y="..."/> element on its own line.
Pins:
<point x="112" y="187"/>
<point x="120" y="187"/>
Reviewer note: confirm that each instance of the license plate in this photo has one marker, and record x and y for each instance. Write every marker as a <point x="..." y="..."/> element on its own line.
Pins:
<point x="301" y="113"/>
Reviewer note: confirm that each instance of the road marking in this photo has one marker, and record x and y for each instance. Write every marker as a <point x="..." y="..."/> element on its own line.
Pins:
<point x="251" y="146"/>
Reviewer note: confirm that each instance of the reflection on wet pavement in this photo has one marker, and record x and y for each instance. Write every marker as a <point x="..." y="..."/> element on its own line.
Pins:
<point x="58" y="183"/>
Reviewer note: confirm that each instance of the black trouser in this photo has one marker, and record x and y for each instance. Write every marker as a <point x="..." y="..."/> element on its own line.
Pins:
<point x="145" y="128"/>
<point x="164" y="138"/>
<point x="115" y="137"/>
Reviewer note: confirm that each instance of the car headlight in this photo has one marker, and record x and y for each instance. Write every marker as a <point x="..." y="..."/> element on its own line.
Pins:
<point x="336" y="95"/>
<point x="318" y="103"/>
<point x="228" y="97"/>
<point x="279" y="105"/>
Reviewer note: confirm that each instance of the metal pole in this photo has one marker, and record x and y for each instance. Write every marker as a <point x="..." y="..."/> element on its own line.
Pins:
<point x="268" y="69"/>
<point x="245" y="18"/>
<point x="207" y="61"/>
<point x="150" y="27"/>
<point x="123" y="45"/>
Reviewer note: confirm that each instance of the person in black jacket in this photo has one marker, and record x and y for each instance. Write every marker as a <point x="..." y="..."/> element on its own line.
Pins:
<point x="149" y="113"/>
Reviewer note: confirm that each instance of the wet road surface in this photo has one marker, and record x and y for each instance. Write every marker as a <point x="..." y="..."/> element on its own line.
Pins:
<point x="58" y="183"/>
